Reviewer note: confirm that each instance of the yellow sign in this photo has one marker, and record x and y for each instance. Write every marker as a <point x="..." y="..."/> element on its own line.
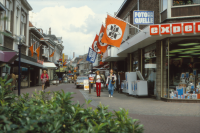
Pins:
<point x="63" y="58"/>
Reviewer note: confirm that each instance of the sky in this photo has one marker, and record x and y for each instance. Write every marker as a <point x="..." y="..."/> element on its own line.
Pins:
<point x="76" y="21"/>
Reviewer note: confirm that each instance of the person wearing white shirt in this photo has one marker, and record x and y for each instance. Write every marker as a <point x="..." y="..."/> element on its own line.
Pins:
<point x="97" y="80"/>
<point x="110" y="82"/>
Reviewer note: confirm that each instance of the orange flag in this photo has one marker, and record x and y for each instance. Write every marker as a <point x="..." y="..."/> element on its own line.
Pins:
<point x="38" y="51"/>
<point x="52" y="54"/>
<point x="113" y="34"/>
<point x="64" y="63"/>
<point x="31" y="49"/>
<point x="94" y="45"/>
<point x="100" y="45"/>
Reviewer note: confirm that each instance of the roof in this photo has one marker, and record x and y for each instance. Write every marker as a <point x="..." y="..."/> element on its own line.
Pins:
<point x="30" y="24"/>
<point x="122" y="7"/>
<point x="52" y="37"/>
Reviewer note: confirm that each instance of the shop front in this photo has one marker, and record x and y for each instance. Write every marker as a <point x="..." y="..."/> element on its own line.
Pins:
<point x="167" y="55"/>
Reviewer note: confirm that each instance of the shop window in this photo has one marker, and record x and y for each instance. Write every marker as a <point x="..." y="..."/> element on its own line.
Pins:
<point x="184" y="68"/>
<point x="150" y="68"/>
<point x="185" y="2"/>
<point x="135" y="61"/>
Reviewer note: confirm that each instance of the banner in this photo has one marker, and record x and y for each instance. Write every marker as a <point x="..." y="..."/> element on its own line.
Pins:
<point x="86" y="84"/>
<point x="143" y="17"/>
<point x="91" y="57"/>
<point x="91" y="77"/>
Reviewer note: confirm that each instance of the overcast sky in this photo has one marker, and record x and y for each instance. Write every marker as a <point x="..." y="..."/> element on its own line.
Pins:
<point x="76" y="21"/>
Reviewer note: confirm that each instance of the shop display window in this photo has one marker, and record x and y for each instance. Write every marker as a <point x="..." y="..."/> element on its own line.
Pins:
<point x="135" y="61"/>
<point x="184" y="68"/>
<point x="150" y="68"/>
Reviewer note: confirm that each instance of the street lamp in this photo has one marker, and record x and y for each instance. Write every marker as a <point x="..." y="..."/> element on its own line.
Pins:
<point x="21" y="40"/>
<point x="59" y="67"/>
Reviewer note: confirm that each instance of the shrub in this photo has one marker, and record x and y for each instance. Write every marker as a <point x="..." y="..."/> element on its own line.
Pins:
<point x="59" y="115"/>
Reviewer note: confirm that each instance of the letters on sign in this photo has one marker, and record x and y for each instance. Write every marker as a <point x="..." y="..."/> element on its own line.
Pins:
<point x="174" y="28"/>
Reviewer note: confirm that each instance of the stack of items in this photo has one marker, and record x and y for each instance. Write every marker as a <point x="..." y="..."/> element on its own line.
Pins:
<point x="186" y="88"/>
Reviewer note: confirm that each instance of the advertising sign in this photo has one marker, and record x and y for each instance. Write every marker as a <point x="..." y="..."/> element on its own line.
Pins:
<point x="143" y="17"/>
<point x="91" y="57"/>
<point x="91" y="77"/>
<point x="86" y="85"/>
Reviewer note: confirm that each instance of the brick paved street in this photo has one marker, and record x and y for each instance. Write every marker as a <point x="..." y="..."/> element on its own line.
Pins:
<point x="157" y="116"/>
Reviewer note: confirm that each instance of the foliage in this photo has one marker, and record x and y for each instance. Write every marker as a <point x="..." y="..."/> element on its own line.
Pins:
<point x="55" y="113"/>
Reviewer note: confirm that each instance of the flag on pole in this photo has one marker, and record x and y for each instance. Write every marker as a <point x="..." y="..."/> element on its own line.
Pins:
<point x="100" y="45"/>
<point x="94" y="45"/>
<point x="113" y="34"/>
<point x="38" y="51"/>
<point x="52" y="54"/>
<point x="31" y="49"/>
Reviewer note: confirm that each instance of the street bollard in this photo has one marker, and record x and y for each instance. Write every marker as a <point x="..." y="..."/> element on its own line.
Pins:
<point x="90" y="87"/>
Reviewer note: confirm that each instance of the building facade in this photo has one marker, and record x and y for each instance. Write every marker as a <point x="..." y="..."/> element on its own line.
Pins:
<point x="162" y="57"/>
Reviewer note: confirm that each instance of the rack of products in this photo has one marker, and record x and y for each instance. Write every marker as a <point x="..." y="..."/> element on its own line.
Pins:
<point x="188" y="88"/>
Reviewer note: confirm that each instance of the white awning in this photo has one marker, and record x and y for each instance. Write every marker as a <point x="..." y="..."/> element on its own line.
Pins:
<point x="49" y="65"/>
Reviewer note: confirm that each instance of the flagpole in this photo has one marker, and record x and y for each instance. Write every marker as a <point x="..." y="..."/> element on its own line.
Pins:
<point x="125" y="22"/>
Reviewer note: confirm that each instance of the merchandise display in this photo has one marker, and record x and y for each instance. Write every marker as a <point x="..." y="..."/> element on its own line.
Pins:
<point x="188" y="88"/>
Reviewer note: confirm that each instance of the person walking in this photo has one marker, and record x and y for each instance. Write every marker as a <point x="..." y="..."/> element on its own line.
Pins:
<point x="44" y="78"/>
<point x="111" y="82"/>
<point x="97" y="79"/>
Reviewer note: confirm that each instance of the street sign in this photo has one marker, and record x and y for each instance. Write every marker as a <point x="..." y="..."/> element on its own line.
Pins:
<point x="143" y="17"/>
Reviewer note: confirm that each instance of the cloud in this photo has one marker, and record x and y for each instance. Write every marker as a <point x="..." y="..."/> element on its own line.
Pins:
<point x="76" y="25"/>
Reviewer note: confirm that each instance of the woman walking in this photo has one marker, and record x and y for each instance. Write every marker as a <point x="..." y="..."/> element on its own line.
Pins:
<point x="97" y="80"/>
<point x="111" y="82"/>
<point x="44" y="78"/>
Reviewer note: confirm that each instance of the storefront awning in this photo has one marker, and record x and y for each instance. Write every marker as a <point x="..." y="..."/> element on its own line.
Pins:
<point x="31" y="63"/>
<point x="49" y="65"/>
<point x="8" y="56"/>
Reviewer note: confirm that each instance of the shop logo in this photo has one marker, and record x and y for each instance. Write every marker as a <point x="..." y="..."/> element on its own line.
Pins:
<point x="114" y="32"/>
<point x="100" y="37"/>
<point x="165" y="29"/>
<point x="175" y="28"/>
<point x="95" y="47"/>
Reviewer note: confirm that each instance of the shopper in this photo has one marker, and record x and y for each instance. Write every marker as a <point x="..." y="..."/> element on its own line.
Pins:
<point x="44" y="78"/>
<point x="98" y="79"/>
<point x="111" y="82"/>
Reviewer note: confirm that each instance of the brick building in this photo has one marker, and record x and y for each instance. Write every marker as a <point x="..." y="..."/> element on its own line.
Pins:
<point x="148" y="53"/>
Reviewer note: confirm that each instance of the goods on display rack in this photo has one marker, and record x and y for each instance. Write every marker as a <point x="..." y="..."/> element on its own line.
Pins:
<point x="134" y="87"/>
<point x="188" y="88"/>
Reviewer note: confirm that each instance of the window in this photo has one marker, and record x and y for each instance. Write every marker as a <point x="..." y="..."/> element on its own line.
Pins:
<point x="185" y="2"/>
<point x="17" y="22"/>
<point x="8" y="14"/>
<point x="163" y="5"/>
<point x="23" y="21"/>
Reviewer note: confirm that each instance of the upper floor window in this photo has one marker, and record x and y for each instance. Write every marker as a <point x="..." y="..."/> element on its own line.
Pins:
<point x="8" y="14"/>
<point x="163" y="5"/>
<point x="185" y="2"/>
<point x="17" y="21"/>
<point x="23" y="22"/>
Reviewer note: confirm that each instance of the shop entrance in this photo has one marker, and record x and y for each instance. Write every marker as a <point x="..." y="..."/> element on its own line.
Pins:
<point x="32" y="77"/>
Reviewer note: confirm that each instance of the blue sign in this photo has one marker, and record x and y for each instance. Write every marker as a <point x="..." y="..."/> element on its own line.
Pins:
<point x="91" y="57"/>
<point x="143" y="17"/>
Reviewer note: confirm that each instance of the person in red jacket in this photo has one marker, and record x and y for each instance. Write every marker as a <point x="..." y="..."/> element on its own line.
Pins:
<point x="44" y="78"/>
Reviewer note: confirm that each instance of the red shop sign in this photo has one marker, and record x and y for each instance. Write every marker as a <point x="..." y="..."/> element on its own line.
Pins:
<point x="178" y="28"/>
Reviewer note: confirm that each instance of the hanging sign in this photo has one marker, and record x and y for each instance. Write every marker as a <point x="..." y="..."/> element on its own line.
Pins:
<point x="91" y="57"/>
<point x="143" y="17"/>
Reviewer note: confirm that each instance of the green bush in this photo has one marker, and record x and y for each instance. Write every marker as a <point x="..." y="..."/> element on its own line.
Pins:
<point x="57" y="114"/>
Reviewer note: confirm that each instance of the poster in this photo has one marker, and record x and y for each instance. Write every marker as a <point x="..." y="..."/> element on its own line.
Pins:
<point x="86" y="85"/>
<point x="91" y="77"/>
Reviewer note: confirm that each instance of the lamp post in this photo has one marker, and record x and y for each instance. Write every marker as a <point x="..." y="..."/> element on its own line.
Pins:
<point x="21" y="40"/>
<point x="59" y="67"/>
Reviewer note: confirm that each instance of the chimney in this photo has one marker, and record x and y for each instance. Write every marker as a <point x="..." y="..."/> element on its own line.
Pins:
<point x="50" y="31"/>
<point x="73" y="54"/>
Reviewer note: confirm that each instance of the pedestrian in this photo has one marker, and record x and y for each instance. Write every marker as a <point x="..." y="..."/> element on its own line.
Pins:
<point x="44" y="78"/>
<point x="111" y="82"/>
<point x="98" y="79"/>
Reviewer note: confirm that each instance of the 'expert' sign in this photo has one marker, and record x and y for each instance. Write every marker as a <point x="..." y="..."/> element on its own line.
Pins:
<point x="143" y="17"/>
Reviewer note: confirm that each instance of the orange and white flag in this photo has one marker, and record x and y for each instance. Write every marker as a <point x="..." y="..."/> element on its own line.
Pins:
<point x="113" y="34"/>
<point x="31" y="49"/>
<point x="38" y="51"/>
<point x="100" y="45"/>
<point x="94" y="45"/>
